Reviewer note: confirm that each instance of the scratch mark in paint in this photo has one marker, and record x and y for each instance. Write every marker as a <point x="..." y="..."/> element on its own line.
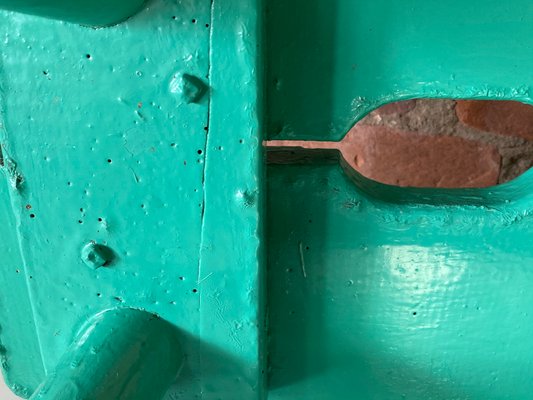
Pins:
<point x="15" y="177"/>
<point x="135" y="176"/>
<point x="9" y="166"/>
<point x="302" y="260"/>
<point x="204" y="166"/>
<point x="204" y="278"/>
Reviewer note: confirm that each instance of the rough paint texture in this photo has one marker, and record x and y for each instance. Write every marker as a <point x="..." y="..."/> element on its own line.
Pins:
<point x="117" y="137"/>
<point x="395" y="300"/>
<point x="373" y="291"/>
<point x="380" y="292"/>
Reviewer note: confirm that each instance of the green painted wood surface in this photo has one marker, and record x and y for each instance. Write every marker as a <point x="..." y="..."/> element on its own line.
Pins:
<point x="331" y="62"/>
<point x="118" y="354"/>
<point x="145" y="139"/>
<point x="112" y="136"/>
<point x="96" y="13"/>
<point x="376" y="292"/>
<point x="394" y="299"/>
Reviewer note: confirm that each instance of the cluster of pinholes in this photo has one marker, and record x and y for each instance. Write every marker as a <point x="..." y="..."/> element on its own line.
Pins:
<point x="403" y="293"/>
<point x="126" y="168"/>
<point x="110" y="154"/>
<point x="371" y="280"/>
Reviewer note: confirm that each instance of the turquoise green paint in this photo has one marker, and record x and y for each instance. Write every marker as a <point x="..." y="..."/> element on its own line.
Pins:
<point x="95" y="255"/>
<point x="144" y="140"/>
<point x="409" y="299"/>
<point x="101" y="146"/>
<point x="231" y="265"/>
<point x="25" y="372"/>
<point x="376" y="292"/>
<point x="95" y="13"/>
<point x="331" y="62"/>
<point x="118" y="354"/>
